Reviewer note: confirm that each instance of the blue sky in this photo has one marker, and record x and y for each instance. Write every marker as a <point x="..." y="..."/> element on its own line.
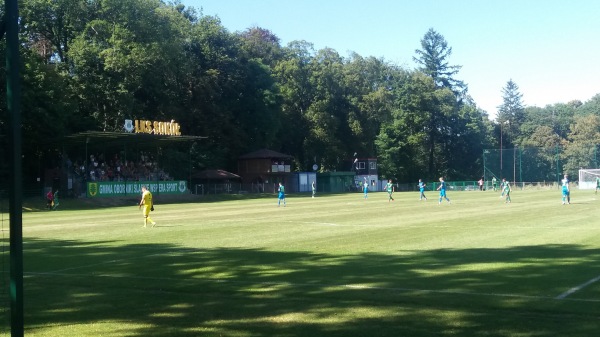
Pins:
<point x="549" y="48"/>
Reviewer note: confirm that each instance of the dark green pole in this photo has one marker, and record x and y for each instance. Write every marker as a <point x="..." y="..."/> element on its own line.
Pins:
<point x="484" y="169"/>
<point x="156" y="177"/>
<point x="521" y="167"/>
<point x="190" y="168"/>
<point x="13" y="98"/>
<point x="557" y="168"/>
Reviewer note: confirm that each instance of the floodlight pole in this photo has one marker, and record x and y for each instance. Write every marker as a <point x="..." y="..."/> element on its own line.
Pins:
<point x="13" y="98"/>
<point x="484" y="168"/>
<point x="515" y="165"/>
<point x="521" y="167"/>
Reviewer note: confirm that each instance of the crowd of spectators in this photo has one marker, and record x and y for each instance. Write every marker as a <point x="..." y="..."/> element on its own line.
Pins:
<point x="99" y="168"/>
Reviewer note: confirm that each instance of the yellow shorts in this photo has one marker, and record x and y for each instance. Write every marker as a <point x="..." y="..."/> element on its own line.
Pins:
<point x="146" y="209"/>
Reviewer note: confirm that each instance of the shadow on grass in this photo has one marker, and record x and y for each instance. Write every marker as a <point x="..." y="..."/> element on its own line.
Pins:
<point x="165" y="290"/>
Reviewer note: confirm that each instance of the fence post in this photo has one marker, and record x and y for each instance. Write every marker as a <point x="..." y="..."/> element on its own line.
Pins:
<point x="557" y="168"/>
<point x="521" y="166"/>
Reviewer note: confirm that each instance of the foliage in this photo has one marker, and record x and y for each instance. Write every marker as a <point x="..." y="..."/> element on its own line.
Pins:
<point x="511" y="111"/>
<point x="90" y="64"/>
<point x="433" y="58"/>
<point x="581" y="144"/>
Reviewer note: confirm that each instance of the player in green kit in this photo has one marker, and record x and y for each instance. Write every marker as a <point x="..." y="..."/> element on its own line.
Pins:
<point x="506" y="190"/>
<point x="502" y="183"/>
<point x="494" y="183"/>
<point x="597" y="184"/>
<point x="390" y="189"/>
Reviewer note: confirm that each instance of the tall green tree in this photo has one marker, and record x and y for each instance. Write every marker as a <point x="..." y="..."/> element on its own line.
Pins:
<point x="368" y="82"/>
<point x="405" y="147"/>
<point x="433" y="59"/>
<point x="511" y="112"/>
<point x="448" y="98"/>
<point x="327" y="113"/>
<point x="293" y="75"/>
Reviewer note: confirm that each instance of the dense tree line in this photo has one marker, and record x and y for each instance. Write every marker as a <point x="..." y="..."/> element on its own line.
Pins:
<point x="566" y="134"/>
<point x="91" y="64"/>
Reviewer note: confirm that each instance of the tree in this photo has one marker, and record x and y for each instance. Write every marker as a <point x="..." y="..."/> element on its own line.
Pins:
<point x="233" y="99"/>
<point x="327" y="113"/>
<point x="470" y="132"/>
<point x="262" y="44"/>
<point x="511" y="112"/>
<point x="447" y="118"/>
<point x="128" y="62"/>
<point x="581" y="144"/>
<point x="367" y="82"/>
<point x="50" y="26"/>
<point x="433" y="58"/>
<point x="590" y="107"/>
<point x="406" y="144"/>
<point x="293" y="76"/>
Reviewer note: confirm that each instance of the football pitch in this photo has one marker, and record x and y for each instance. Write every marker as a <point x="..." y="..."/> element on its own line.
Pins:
<point x="335" y="265"/>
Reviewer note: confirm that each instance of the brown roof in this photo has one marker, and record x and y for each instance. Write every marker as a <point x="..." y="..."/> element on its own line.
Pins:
<point x="215" y="175"/>
<point x="265" y="154"/>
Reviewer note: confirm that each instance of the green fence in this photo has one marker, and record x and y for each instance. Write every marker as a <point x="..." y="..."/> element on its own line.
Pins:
<point x="538" y="164"/>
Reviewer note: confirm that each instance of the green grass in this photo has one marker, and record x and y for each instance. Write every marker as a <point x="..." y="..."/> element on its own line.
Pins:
<point x="331" y="266"/>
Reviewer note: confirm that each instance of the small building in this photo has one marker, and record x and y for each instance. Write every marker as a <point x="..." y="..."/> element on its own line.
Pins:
<point x="215" y="182"/>
<point x="263" y="170"/>
<point x="366" y="169"/>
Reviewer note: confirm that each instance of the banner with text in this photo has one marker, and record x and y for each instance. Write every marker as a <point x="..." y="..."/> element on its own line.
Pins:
<point x="128" y="188"/>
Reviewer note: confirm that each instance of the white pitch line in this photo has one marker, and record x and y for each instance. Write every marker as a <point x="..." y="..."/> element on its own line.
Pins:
<point x="576" y="289"/>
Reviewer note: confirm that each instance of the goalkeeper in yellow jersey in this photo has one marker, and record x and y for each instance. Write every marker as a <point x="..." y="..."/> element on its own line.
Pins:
<point x="148" y="205"/>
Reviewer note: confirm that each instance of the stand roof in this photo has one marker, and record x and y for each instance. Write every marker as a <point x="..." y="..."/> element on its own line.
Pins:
<point x="112" y="139"/>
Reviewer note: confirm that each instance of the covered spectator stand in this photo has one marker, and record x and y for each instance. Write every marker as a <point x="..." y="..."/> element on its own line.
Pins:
<point x="108" y="164"/>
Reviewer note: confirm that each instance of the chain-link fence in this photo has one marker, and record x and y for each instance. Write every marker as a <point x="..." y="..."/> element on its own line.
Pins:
<point x="538" y="164"/>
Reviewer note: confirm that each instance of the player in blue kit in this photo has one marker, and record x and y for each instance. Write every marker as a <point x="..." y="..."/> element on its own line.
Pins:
<point x="281" y="195"/>
<point x="442" y="189"/>
<point x="422" y="190"/>
<point x="566" y="192"/>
